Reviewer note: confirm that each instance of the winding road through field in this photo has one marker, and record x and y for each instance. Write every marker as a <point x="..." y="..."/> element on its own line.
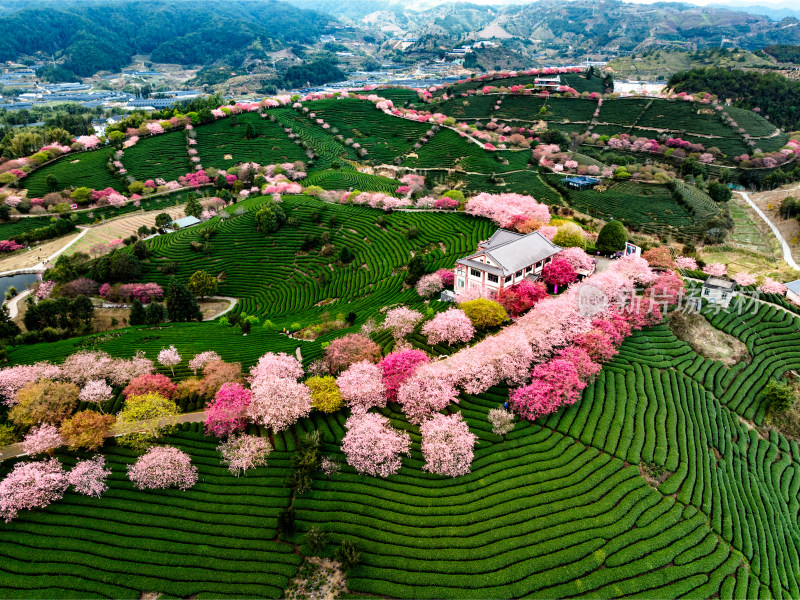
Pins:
<point x="787" y="251"/>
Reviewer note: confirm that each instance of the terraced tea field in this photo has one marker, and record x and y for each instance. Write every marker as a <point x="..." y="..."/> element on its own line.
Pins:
<point x="74" y="170"/>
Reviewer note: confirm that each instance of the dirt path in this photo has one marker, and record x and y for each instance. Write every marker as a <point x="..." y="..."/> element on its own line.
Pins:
<point x="233" y="302"/>
<point x="15" y="450"/>
<point x="31" y="260"/>
<point x="787" y="250"/>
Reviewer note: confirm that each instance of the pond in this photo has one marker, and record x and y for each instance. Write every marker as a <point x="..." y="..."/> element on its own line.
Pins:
<point x="18" y="281"/>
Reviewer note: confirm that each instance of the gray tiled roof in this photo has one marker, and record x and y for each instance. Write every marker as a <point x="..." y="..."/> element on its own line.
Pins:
<point x="719" y="283"/>
<point x="794" y="286"/>
<point x="521" y="252"/>
<point x="501" y="236"/>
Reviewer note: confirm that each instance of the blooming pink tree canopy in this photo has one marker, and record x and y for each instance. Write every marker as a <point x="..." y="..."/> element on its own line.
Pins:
<point x="31" y="485"/>
<point x="43" y="438"/>
<point x="163" y="467"/>
<point x="577" y="258"/>
<point x="401" y="321"/>
<point x="399" y="366"/>
<point x="272" y="365"/>
<point x="715" y="269"/>
<point x="202" y="359"/>
<point x="225" y="414"/>
<point x="447" y="445"/>
<point x="686" y="263"/>
<point x="426" y="392"/>
<point x="170" y="358"/>
<point x="278" y="400"/>
<point x="770" y="286"/>
<point x="506" y="209"/>
<point x="559" y="273"/>
<point x="447" y="276"/>
<point x="372" y="446"/>
<point x="96" y="391"/>
<point x="744" y="279"/>
<point x="88" y="477"/>
<point x="244" y="452"/>
<point x="430" y="285"/>
<point x="361" y="386"/>
<point x="452" y="326"/>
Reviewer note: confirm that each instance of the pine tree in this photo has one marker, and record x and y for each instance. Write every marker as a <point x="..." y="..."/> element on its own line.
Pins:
<point x="181" y="303"/>
<point x="155" y="314"/>
<point x="193" y="208"/>
<point x="8" y="329"/>
<point x="137" y="316"/>
<point x="250" y="132"/>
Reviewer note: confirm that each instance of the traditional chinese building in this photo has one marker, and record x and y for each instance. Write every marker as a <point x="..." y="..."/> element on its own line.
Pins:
<point x="504" y="259"/>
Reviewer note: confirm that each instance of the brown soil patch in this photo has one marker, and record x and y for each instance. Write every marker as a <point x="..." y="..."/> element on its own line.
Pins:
<point x="318" y="579"/>
<point x="654" y="474"/>
<point x="210" y="308"/>
<point x="706" y="340"/>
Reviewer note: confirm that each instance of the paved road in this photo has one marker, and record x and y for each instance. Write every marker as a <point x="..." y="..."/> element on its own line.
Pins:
<point x="787" y="251"/>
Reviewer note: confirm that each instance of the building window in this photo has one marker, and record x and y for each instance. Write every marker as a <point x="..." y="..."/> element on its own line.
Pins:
<point x="492" y="278"/>
<point x="538" y="265"/>
<point x="724" y="295"/>
<point x="519" y="273"/>
<point x="529" y="269"/>
<point x="508" y="279"/>
<point x="460" y="283"/>
<point x="705" y="293"/>
<point x="475" y="272"/>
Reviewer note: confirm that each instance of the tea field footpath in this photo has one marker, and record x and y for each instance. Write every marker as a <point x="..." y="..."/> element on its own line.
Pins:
<point x="787" y="251"/>
<point x="15" y="450"/>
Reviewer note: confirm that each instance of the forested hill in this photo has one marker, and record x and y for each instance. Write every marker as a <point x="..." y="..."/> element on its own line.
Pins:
<point x="775" y="96"/>
<point x="95" y="36"/>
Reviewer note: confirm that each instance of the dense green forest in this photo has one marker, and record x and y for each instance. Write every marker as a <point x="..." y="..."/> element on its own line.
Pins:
<point x="777" y="97"/>
<point x="784" y="53"/>
<point x="95" y="36"/>
<point x="313" y="73"/>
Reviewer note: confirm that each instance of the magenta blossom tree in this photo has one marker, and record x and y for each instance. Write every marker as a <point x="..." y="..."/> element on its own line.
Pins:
<point x="88" y="477"/>
<point x="226" y="413"/>
<point x="559" y="273"/>
<point x="399" y="366"/>
<point x="452" y="326"/>
<point x="163" y="467"/>
<point x="31" y="485"/>
<point x="447" y="445"/>
<point x="372" y="446"/>
<point x="244" y="452"/>
<point x="361" y="386"/>
<point x="44" y="438"/>
<point x="447" y="276"/>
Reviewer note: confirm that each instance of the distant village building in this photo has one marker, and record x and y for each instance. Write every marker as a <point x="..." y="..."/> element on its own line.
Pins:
<point x="503" y="260"/>
<point x="718" y="290"/>
<point x="581" y="182"/>
<point x="184" y="222"/>
<point x="793" y="291"/>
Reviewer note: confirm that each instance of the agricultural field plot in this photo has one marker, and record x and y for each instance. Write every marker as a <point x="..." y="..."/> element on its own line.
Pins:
<point x="772" y="143"/>
<point x="746" y="233"/>
<point x="448" y="150"/>
<point x="529" y="109"/>
<point x="681" y="116"/>
<point x="730" y="146"/>
<point x="121" y="228"/>
<point x="226" y="137"/>
<point x="399" y="96"/>
<point x="162" y="155"/>
<point x="273" y="278"/>
<point x="470" y="108"/>
<point x="577" y="81"/>
<point x="647" y="207"/>
<point x="622" y="111"/>
<point x="753" y="123"/>
<point x="328" y="148"/>
<point x="74" y="170"/>
<point x="10" y="229"/>
<point x="214" y="540"/>
<point x="352" y="180"/>
<point x="527" y="182"/>
<point x="383" y="136"/>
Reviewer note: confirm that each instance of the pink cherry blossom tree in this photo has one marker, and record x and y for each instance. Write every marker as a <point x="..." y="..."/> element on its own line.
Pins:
<point x="272" y="365"/>
<point x="87" y="365"/>
<point x="12" y="379"/>
<point x="428" y="390"/>
<point x="163" y="467"/>
<point x="279" y="403"/>
<point x="686" y="263"/>
<point x="244" y="452"/>
<point x="44" y="438"/>
<point x="770" y="286"/>
<point x="429" y="285"/>
<point x="372" y="446"/>
<point x="88" y="477"/>
<point x="452" y="326"/>
<point x="744" y="279"/>
<point x="447" y="445"/>
<point x="361" y="386"/>
<point x="401" y="321"/>
<point x="399" y="366"/>
<point x="202" y="359"/>
<point x="349" y="349"/>
<point x="225" y="414"/>
<point x="447" y="276"/>
<point x="31" y="485"/>
<point x="96" y="392"/>
<point x="715" y="269"/>
<point x="577" y="258"/>
<point x="169" y="357"/>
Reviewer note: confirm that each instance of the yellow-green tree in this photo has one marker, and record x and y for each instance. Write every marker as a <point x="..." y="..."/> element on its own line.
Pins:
<point x="144" y="418"/>
<point x="325" y="395"/>
<point x="484" y="313"/>
<point x="202" y="283"/>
